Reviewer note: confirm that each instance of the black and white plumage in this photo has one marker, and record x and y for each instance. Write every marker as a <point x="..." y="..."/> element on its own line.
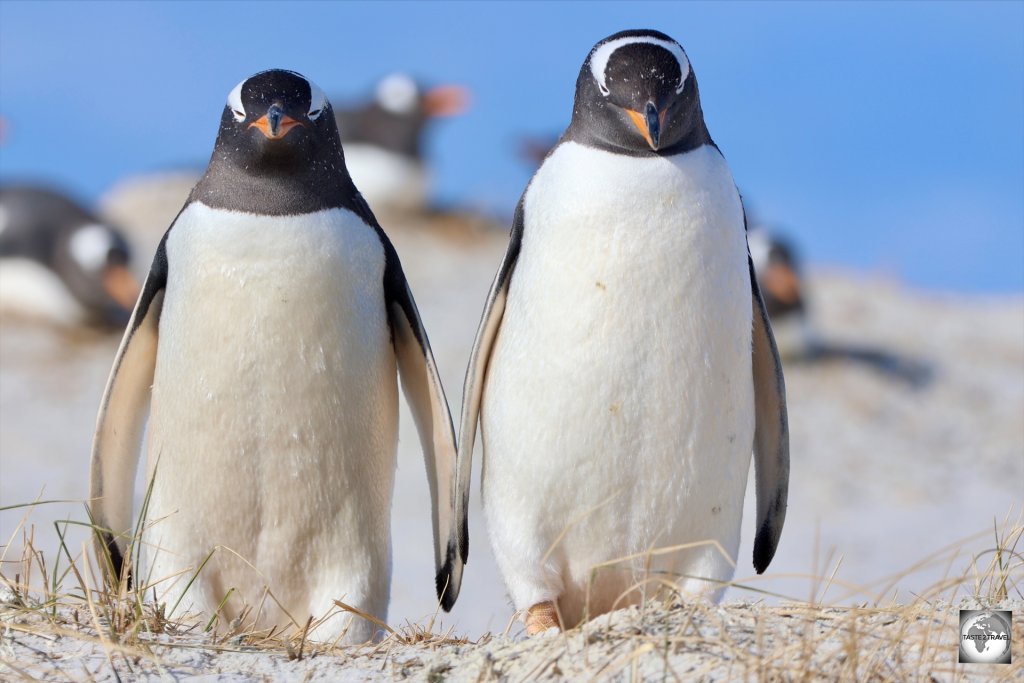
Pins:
<point x="270" y="328"/>
<point x="385" y="140"/>
<point x="60" y="262"/>
<point x="624" y="368"/>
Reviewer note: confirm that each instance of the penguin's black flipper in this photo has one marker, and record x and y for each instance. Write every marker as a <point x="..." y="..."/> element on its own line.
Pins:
<point x="476" y="373"/>
<point x="118" y="438"/>
<point x="771" y="433"/>
<point x="421" y="383"/>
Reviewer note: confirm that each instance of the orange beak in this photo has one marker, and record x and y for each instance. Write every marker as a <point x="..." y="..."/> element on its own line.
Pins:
<point x="121" y="285"/>
<point x="783" y="283"/>
<point x="275" y="124"/>
<point x="650" y="124"/>
<point x="446" y="100"/>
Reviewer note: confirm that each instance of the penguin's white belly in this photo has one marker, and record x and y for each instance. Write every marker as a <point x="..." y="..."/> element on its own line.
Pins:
<point x="273" y="428"/>
<point x="618" y="410"/>
<point x="388" y="181"/>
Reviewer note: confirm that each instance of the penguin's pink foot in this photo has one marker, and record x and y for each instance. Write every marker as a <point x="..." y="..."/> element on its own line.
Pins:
<point x="541" y="617"/>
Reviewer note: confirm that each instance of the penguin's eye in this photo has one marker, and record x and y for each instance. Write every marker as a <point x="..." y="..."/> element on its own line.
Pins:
<point x="239" y="115"/>
<point x="604" y="89"/>
<point x="315" y="114"/>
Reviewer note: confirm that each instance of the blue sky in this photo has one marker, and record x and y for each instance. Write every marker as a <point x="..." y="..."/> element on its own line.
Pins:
<point x="887" y="137"/>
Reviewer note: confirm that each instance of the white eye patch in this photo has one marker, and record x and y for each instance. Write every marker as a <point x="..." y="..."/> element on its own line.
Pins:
<point x="600" y="56"/>
<point x="398" y="94"/>
<point x="89" y="246"/>
<point x="317" y="101"/>
<point x="235" y="102"/>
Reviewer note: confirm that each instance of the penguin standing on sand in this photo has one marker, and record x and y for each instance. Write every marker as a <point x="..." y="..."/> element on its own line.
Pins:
<point x="61" y="263"/>
<point x="384" y="140"/>
<point x="270" y="329"/>
<point x="624" y="368"/>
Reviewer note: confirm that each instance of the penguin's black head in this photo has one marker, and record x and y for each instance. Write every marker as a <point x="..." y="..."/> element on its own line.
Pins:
<point x="777" y="266"/>
<point x="278" y="150"/>
<point x="93" y="259"/>
<point x="277" y="120"/>
<point x="637" y="94"/>
<point x="399" y="114"/>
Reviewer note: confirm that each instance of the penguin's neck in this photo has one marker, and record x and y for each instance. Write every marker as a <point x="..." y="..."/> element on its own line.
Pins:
<point x="581" y="133"/>
<point x="275" y="191"/>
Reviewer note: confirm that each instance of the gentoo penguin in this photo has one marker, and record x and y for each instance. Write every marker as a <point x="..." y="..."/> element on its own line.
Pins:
<point x="59" y="262"/>
<point x="782" y="288"/>
<point x="778" y="272"/>
<point x="270" y="328"/>
<point x="624" y="369"/>
<point x="384" y="140"/>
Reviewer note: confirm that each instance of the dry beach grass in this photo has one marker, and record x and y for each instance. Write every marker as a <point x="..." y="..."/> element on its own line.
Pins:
<point x="67" y="618"/>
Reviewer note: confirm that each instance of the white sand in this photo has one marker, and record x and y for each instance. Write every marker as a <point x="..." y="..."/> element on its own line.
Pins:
<point x="734" y="641"/>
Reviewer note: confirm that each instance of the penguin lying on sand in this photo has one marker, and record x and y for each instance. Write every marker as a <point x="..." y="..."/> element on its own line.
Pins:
<point x="384" y="140"/>
<point x="785" y="291"/>
<point x="624" y="368"/>
<point x="270" y="329"/>
<point x="59" y="262"/>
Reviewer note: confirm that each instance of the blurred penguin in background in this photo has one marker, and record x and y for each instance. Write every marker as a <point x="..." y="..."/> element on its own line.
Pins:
<point x="788" y="299"/>
<point x="60" y="263"/>
<point x="779" y="276"/>
<point x="384" y="140"/>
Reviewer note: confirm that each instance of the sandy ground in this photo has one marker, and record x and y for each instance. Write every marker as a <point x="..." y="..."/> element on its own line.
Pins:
<point x="733" y="641"/>
<point x="889" y="464"/>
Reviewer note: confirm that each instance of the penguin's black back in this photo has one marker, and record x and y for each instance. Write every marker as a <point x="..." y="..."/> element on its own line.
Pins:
<point x="34" y="218"/>
<point x="38" y="221"/>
